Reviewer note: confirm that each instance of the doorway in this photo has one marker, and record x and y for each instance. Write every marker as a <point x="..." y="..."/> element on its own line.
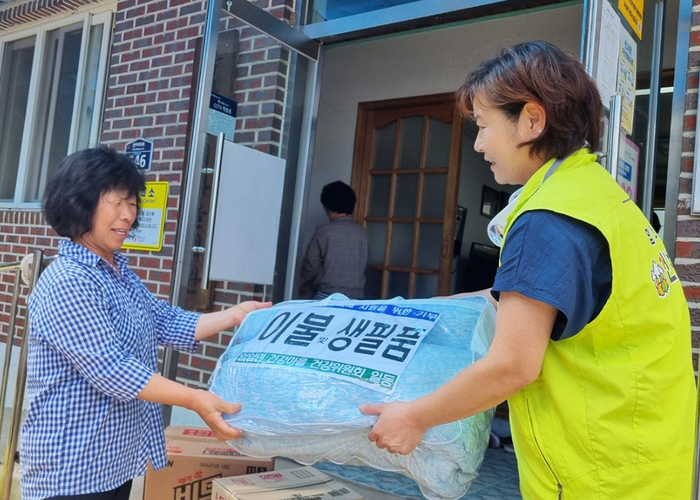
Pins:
<point x="406" y="175"/>
<point x="425" y="198"/>
<point x="368" y="87"/>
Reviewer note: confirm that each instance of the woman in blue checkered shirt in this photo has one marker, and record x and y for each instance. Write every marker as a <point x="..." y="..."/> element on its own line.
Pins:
<point x="95" y="418"/>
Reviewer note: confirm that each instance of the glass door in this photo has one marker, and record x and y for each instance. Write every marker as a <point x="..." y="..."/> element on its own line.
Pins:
<point x="256" y="87"/>
<point x="622" y="50"/>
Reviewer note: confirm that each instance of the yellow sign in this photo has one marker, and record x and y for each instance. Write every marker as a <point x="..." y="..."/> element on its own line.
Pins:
<point x="633" y="11"/>
<point x="149" y="234"/>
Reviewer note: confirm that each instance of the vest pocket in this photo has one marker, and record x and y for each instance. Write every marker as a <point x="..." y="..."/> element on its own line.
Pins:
<point x="536" y="440"/>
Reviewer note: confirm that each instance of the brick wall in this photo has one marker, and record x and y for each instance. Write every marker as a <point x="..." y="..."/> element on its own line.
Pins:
<point x="149" y="92"/>
<point x="688" y="227"/>
<point x="149" y="95"/>
<point x="21" y="232"/>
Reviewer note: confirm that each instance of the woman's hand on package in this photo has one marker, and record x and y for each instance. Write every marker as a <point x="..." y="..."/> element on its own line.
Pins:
<point x="211" y="408"/>
<point x="396" y="429"/>
<point x="214" y="322"/>
<point x="240" y="311"/>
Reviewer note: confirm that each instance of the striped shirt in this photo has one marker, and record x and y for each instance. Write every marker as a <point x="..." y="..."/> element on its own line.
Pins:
<point x="93" y="346"/>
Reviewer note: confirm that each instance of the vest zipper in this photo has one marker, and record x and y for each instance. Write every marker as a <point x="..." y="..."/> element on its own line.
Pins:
<point x="560" y="488"/>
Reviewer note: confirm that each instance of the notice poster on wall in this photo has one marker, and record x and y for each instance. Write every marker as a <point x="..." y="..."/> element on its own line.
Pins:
<point x="633" y="11"/>
<point x="149" y="234"/>
<point x="628" y="167"/>
<point x="608" y="53"/>
<point x="626" y="79"/>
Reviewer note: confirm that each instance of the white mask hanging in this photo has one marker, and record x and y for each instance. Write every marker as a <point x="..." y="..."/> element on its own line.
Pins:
<point x="498" y="223"/>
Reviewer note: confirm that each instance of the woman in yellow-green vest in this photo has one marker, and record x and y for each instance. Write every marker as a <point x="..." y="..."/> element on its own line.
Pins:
<point x="592" y="342"/>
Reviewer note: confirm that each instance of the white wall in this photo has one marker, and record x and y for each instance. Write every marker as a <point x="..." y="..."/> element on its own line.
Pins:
<point x="423" y="63"/>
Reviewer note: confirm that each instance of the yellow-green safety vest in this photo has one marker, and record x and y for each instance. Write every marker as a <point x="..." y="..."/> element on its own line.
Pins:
<point x="611" y="415"/>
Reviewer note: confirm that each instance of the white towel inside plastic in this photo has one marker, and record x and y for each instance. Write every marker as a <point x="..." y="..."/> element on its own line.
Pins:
<point x="310" y="415"/>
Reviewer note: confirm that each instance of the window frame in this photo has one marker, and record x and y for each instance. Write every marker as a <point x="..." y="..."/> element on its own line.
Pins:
<point x="36" y="117"/>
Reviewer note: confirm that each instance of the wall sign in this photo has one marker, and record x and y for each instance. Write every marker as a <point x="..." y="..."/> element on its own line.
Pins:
<point x="633" y="11"/>
<point x="222" y="116"/>
<point x="149" y="234"/>
<point x="628" y="166"/>
<point x="141" y="152"/>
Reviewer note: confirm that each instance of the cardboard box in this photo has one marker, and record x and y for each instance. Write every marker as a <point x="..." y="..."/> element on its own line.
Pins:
<point x="195" y="458"/>
<point x="300" y="483"/>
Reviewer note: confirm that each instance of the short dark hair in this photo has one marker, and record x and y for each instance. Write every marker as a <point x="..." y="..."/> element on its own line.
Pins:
<point x="540" y="72"/>
<point x="75" y="188"/>
<point x="338" y="197"/>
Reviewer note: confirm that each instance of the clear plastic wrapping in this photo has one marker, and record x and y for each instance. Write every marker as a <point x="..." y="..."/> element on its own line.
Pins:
<point x="311" y="415"/>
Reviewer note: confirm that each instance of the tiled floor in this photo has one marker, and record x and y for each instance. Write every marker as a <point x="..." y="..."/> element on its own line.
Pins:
<point x="497" y="480"/>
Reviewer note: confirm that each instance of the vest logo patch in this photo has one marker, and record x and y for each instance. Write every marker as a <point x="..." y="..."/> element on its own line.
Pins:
<point x="651" y="234"/>
<point x="663" y="274"/>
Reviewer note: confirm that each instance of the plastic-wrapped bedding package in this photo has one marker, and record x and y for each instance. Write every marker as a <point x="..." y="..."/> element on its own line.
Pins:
<point x="300" y="369"/>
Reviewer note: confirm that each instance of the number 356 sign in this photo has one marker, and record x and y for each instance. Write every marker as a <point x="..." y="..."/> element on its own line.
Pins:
<point x="141" y="152"/>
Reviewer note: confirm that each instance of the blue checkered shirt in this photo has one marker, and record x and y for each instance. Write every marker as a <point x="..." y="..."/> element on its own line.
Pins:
<point x="93" y="346"/>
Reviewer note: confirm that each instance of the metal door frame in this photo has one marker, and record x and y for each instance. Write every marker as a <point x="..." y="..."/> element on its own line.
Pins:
<point x="302" y="45"/>
<point x="589" y="41"/>
<point x="288" y="36"/>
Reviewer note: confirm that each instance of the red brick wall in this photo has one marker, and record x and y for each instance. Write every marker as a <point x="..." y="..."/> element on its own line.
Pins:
<point x="149" y="90"/>
<point x="20" y="233"/>
<point x="149" y="87"/>
<point x="688" y="227"/>
<point x="148" y="94"/>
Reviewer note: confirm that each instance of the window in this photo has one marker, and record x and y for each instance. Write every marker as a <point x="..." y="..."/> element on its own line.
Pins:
<point x="51" y="92"/>
<point x="14" y="90"/>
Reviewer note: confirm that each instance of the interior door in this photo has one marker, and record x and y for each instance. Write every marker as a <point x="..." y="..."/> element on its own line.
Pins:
<point x="406" y="175"/>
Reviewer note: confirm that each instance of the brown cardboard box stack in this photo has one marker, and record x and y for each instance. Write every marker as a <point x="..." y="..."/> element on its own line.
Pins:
<point x="300" y="483"/>
<point x="195" y="458"/>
